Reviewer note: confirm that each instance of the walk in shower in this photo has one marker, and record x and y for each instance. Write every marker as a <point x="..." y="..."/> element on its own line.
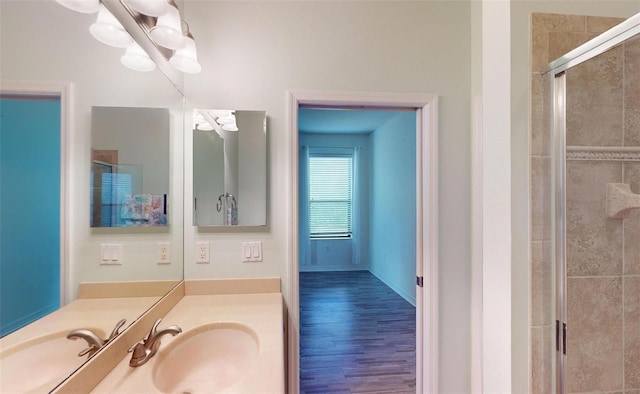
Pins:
<point x="591" y="321"/>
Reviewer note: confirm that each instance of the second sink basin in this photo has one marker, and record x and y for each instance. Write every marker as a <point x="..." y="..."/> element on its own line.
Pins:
<point x="39" y="364"/>
<point x="206" y="359"/>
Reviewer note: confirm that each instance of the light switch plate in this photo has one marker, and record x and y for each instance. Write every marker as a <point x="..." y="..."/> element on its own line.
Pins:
<point x="111" y="254"/>
<point x="252" y="251"/>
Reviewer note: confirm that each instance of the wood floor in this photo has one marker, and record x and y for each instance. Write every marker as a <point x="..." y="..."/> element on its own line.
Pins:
<point x="356" y="335"/>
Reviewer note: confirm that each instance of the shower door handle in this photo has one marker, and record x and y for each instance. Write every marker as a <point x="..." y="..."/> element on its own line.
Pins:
<point x="564" y="338"/>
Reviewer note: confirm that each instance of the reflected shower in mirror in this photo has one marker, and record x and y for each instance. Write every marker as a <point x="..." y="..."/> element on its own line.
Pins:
<point x="129" y="167"/>
<point x="229" y="167"/>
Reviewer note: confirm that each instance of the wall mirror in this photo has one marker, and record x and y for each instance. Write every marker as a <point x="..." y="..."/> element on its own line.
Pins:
<point x="129" y="167"/>
<point x="229" y="167"/>
<point x="59" y="47"/>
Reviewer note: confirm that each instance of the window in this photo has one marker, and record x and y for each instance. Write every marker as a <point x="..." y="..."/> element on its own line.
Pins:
<point x="330" y="195"/>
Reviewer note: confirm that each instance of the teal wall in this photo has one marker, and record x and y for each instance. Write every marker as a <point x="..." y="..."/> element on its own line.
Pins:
<point x="393" y="205"/>
<point x="29" y="211"/>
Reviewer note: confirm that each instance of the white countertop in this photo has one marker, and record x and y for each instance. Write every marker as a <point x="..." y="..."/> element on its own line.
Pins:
<point x="262" y="312"/>
<point x="100" y="315"/>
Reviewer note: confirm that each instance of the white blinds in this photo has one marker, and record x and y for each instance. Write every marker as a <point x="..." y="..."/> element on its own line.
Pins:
<point x="330" y="195"/>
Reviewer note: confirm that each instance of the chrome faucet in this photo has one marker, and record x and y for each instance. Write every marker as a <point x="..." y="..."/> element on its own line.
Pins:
<point x="147" y="348"/>
<point x="93" y="340"/>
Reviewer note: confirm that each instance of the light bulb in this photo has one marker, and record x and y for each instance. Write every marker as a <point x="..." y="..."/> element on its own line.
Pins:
<point x="137" y="59"/>
<point x="149" y="7"/>
<point x="84" y="6"/>
<point x="109" y="31"/>
<point x="186" y="59"/>
<point x="168" y="30"/>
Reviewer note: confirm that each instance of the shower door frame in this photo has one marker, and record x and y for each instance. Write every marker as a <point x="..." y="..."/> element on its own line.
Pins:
<point x="557" y="72"/>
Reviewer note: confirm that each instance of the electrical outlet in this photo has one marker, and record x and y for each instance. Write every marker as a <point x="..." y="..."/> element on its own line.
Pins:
<point x="202" y="252"/>
<point x="164" y="253"/>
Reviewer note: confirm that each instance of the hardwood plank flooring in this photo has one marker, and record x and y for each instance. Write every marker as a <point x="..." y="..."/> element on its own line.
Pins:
<point x="356" y="335"/>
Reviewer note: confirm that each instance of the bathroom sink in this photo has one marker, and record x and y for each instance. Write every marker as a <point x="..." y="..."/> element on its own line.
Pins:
<point x="39" y="364"/>
<point x="206" y="359"/>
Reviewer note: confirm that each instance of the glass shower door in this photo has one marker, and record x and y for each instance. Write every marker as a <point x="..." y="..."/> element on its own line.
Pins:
<point x="597" y="253"/>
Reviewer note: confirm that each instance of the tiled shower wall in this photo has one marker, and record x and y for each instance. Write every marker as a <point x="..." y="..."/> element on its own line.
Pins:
<point x="603" y="255"/>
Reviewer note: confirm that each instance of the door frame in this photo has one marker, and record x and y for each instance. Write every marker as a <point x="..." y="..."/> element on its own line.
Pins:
<point x="427" y="260"/>
<point x="63" y="91"/>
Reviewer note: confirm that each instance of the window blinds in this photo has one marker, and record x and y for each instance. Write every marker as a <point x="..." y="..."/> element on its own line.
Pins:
<point x="330" y="195"/>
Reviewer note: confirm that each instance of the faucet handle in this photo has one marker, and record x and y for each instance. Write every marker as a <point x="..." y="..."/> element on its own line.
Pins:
<point x="90" y="350"/>
<point x="138" y="349"/>
<point x="116" y="330"/>
<point x="154" y="330"/>
<point x="146" y="348"/>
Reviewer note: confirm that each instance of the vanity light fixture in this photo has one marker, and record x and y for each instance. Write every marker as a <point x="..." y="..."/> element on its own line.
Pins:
<point x="186" y="59"/>
<point x="108" y="30"/>
<point x="84" y="6"/>
<point x="155" y="8"/>
<point x="159" y="20"/>
<point x="137" y="59"/>
<point x="168" y="29"/>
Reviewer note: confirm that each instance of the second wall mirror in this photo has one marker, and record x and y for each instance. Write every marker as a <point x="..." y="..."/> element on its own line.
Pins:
<point x="129" y="167"/>
<point x="229" y="168"/>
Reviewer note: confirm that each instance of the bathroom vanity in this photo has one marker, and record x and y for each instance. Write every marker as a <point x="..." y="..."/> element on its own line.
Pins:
<point x="231" y="341"/>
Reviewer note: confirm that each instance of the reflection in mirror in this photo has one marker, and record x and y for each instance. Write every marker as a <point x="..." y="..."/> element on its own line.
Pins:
<point x="129" y="167"/>
<point x="229" y="167"/>
<point x="49" y="257"/>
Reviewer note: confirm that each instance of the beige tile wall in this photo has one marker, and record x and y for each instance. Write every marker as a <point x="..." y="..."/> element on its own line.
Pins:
<point x="603" y="255"/>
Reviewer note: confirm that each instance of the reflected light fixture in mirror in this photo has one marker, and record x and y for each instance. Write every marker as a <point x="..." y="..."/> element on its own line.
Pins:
<point x="108" y="30"/>
<point x="84" y="6"/>
<point x="200" y="123"/>
<point x="217" y="119"/>
<point x="227" y="120"/>
<point x="137" y="59"/>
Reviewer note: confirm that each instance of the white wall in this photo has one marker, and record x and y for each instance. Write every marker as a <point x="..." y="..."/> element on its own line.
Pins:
<point x="393" y="205"/>
<point x="495" y="196"/>
<point x="253" y="52"/>
<point x="43" y="41"/>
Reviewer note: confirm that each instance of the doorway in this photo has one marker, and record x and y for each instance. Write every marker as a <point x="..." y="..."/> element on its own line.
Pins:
<point x="33" y="202"/>
<point x="357" y="249"/>
<point x="426" y="261"/>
